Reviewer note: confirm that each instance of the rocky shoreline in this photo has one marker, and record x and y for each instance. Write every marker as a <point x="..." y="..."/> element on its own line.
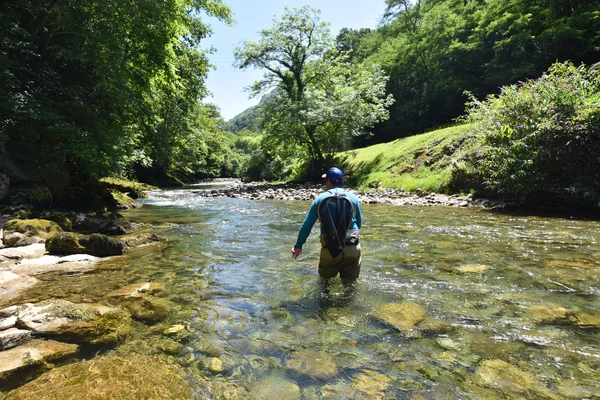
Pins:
<point x="308" y="192"/>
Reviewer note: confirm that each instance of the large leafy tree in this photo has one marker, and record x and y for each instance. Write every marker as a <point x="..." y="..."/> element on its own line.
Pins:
<point x="434" y="50"/>
<point x="93" y="86"/>
<point x="322" y="99"/>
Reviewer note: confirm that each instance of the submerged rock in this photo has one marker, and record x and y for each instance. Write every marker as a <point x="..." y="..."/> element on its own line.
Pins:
<point x="141" y="239"/>
<point x="372" y="383"/>
<point x="472" y="268"/>
<point x="315" y="364"/>
<point x="36" y="353"/>
<point x="275" y="388"/>
<point x="76" y="322"/>
<point x="402" y="316"/>
<point x="11" y="284"/>
<point x="500" y="375"/>
<point x="110" y="377"/>
<point x="576" y="390"/>
<point x="95" y="244"/>
<point x="553" y="314"/>
<point x="137" y="299"/>
<point x="23" y="232"/>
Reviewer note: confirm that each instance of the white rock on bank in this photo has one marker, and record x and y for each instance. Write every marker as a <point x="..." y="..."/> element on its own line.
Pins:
<point x="11" y="284"/>
<point x="17" y="253"/>
<point x="13" y="337"/>
<point x="48" y="263"/>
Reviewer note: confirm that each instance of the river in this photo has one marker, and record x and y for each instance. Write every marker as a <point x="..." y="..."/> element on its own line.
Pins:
<point x="507" y="304"/>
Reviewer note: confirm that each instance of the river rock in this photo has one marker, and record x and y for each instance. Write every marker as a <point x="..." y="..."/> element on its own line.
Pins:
<point x="500" y="375"/>
<point x="137" y="300"/>
<point x="402" y="316"/>
<point x="372" y="383"/>
<point x="13" y="337"/>
<point x="17" y="253"/>
<point x="553" y="314"/>
<point x="472" y="268"/>
<point x="35" y="353"/>
<point x="141" y="239"/>
<point x="48" y="263"/>
<point x="95" y="244"/>
<point x="137" y="290"/>
<point x="575" y="390"/>
<point x="314" y="364"/>
<point x="11" y="284"/>
<point x="7" y="322"/>
<point x="174" y="330"/>
<point x="60" y="218"/>
<point x="23" y="232"/>
<point x="275" y="388"/>
<point x="76" y="322"/>
<point x="147" y="308"/>
<point x="110" y="377"/>
<point x="123" y="201"/>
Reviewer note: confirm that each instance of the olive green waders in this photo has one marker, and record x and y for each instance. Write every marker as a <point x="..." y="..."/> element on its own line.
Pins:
<point x="347" y="263"/>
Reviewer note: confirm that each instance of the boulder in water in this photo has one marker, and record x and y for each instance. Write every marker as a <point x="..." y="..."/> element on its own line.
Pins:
<point x="95" y="244"/>
<point x="110" y="377"/>
<point x="314" y="364"/>
<point x="33" y="355"/>
<point x="80" y="323"/>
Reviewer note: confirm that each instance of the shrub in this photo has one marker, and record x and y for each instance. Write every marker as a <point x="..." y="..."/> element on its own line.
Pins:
<point x="542" y="138"/>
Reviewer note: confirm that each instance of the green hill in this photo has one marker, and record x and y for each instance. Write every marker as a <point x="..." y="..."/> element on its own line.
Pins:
<point x="433" y="161"/>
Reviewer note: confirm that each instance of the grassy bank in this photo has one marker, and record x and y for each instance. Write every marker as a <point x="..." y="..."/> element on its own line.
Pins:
<point x="417" y="163"/>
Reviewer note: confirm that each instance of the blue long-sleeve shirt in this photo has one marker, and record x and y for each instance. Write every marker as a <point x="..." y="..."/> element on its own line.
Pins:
<point x="313" y="214"/>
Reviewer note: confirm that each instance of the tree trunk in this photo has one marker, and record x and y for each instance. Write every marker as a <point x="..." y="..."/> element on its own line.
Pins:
<point x="315" y="149"/>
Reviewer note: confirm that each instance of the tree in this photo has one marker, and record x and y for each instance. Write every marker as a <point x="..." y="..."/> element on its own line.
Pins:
<point x="322" y="99"/>
<point x="92" y="87"/>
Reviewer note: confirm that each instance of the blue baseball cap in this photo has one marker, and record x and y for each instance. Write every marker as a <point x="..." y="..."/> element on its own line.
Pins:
<point x="335" y="175"/>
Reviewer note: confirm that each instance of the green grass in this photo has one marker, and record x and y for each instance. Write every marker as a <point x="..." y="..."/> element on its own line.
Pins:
<point x="125" y="185"/>
<point x="417" y="163"/>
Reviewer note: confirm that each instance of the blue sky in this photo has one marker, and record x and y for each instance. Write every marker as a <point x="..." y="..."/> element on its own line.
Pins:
<point x="227" y="83"/>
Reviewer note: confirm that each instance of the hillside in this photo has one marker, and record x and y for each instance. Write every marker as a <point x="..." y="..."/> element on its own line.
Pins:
<point x="432" y="161"/>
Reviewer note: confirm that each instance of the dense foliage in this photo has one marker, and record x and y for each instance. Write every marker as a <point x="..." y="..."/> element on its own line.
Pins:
<point x="322" y="98"/>
<point x="94" y="87"/>
<point x="434" y="50"/>
<point x="542" y="138"/>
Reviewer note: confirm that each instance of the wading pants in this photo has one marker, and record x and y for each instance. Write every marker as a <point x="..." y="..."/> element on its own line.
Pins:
<point x="347" y="263"/>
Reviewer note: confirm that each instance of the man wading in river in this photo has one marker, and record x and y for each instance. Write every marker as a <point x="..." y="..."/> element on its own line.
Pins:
<point x="338" y="210"/>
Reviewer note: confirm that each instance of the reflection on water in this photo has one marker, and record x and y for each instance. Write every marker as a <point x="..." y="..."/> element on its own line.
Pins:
<point x="508" y="305"/>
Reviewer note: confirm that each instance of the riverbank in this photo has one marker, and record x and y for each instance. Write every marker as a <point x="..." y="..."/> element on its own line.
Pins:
<point x="309" y="191"/>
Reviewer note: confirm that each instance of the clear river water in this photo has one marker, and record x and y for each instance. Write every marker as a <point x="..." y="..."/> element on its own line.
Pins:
<point x="484" y="304"/>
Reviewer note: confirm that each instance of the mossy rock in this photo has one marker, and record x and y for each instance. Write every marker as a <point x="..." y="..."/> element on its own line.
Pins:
<point x="73" y="322"/>
<point x="111" y="326"/>
<point x="510" y="380"/>
<point x="16" y="364"/>
<point x="96" y="244"/>
<point x="122" y="201"/>
<point x="147" y="308"/>
<point x="402" y="316"/>
<point x="39" y="196"/>
<point x="61" y="219"/>
<point x="110" y="377"/>
<point x="38" y="230"/>
<point x="314" y="364"/>
<point x="142" y="239"/>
